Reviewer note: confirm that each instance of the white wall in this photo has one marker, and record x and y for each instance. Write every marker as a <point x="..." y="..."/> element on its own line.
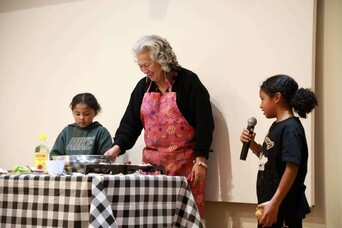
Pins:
<point x="59" y="61"/>
<point x="51" y="52"/>
<point x="327" y="212"/>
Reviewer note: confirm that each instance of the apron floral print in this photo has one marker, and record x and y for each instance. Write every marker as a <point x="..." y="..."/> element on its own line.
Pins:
<point x="169" y="139"/>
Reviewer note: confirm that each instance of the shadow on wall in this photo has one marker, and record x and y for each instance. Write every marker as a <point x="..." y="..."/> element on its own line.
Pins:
<point x="219" y="179"/>
<point x="15" y="5"/>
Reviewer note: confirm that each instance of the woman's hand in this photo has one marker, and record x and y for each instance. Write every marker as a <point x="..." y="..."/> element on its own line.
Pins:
<point x="113" y="152"/>
<point x="198" y="173"/>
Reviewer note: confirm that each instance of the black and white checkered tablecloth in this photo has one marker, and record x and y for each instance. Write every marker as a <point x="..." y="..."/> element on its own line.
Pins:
<point x="143" y="201"/>
<point x="96" y="201"/>
<point x="44" y="201"/>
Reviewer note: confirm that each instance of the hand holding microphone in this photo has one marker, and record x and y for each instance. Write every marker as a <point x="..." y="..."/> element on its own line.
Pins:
<point x="250" y="127"/>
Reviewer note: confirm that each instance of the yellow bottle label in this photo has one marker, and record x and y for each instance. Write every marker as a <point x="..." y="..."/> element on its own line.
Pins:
<point x="39" y="160"/>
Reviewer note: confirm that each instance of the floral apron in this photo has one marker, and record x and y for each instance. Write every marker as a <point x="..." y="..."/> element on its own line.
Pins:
<point x="169" y="139"/>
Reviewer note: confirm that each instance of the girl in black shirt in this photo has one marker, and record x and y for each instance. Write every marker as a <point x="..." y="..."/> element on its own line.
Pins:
<point x="283" y="154"/>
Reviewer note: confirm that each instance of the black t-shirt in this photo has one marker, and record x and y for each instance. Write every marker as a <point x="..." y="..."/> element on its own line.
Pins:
<point x="285" y="142"/>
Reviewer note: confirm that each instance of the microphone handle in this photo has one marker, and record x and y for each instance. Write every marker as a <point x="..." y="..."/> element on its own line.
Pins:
<point x="245" y="147"/>
<point x="244" y="150"/>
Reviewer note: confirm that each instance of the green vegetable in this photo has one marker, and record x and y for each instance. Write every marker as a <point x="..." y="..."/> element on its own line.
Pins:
<point x="20" y="169"/>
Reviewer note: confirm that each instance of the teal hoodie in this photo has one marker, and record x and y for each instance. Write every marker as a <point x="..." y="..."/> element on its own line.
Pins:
<point x="73" y="140"/>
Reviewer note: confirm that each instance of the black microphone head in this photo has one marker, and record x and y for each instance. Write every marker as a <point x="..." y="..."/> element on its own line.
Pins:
<point x="251" y="122"/>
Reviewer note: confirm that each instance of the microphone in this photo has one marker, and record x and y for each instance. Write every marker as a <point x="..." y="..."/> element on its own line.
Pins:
<point x="250" y="127"/>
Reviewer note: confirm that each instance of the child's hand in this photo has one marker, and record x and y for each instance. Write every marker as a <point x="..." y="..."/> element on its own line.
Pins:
<point x="246" y="137"/>
<point x="269" y="215"/>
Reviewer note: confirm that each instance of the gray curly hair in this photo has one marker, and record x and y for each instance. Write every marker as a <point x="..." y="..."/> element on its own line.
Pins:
<point x="160" y="51"/>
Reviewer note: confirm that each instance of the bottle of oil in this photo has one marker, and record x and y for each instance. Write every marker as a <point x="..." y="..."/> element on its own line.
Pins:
<point x="41" y="154"/>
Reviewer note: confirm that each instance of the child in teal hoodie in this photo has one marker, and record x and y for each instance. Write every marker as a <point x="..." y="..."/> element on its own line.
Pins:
<point x="84" y="137"/>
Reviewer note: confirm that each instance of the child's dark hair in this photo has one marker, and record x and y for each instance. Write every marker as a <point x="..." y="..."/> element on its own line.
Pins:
<point x="88" y="99"/>
<point x="303" y="101"/>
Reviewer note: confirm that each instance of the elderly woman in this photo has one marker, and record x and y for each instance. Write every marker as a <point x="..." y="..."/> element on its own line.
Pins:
<point x="173" y="107"/>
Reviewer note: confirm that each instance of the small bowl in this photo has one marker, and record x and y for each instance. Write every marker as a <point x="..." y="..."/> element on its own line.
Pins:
<point x="77" y="163"/>
<point x="55" y="167"/>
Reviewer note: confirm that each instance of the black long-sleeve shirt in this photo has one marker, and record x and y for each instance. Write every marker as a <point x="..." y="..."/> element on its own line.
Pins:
<point x="193" y="101"/>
